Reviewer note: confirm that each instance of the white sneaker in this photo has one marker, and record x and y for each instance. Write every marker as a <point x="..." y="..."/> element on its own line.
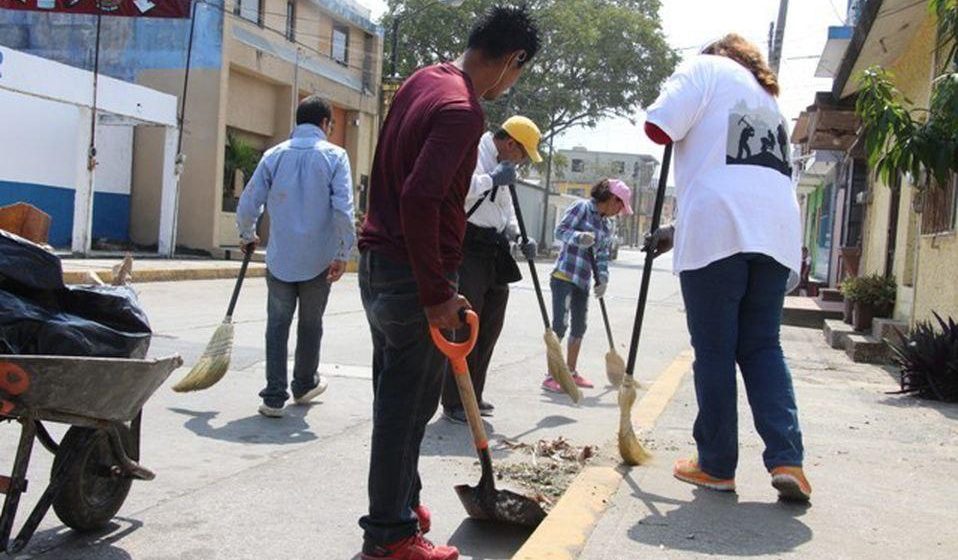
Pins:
<point x="316" y="391"/>
<point x="271" y="412"/>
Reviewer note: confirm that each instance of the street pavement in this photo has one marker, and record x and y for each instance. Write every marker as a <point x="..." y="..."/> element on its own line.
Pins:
<point x="231" y="484"/>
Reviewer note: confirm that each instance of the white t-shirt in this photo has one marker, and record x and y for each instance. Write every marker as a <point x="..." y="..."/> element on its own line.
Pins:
<point x="733" y="170"/>
<point x="492" y="213"/>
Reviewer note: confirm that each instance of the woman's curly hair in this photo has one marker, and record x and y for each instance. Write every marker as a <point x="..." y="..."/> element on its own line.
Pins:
<point x="740" y="50"/>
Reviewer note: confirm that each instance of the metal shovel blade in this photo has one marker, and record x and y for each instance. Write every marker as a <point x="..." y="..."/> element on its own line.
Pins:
<point x="500" y="505"/>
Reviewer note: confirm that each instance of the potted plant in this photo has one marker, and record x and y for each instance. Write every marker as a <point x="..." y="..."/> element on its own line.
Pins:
<point x="849" y="290"/>
<point x="928" y="358"/>
<point x="874" y="296"/>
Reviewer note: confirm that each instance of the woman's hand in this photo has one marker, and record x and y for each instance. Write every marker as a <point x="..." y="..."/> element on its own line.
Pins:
<point x="660" y="241"/>
<point x="584" y="239"/>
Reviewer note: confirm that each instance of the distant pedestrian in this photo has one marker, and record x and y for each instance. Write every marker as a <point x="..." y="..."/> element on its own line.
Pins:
<point x="487" y="266"/>
<point x="411" y="252"/>
<point x="306" y="184"/>
<point x="738" y="252"/>
<point x="586" y="233"/>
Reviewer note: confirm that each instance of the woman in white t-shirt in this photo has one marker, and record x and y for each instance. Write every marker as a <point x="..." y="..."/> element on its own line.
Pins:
<point x="737" y="240"/>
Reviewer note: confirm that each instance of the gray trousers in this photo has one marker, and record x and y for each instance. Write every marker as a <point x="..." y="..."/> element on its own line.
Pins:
<point x="311" y="296"/>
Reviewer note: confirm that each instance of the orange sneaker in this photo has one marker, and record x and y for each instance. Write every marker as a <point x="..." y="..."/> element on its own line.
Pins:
<point x="687" y="470"/>
<point x="791" y="484"/>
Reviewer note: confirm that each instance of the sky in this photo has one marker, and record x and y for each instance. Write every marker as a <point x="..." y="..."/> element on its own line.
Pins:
<point x="806" y="31"/>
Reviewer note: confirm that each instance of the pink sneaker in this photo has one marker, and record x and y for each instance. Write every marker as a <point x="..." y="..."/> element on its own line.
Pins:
<point x="582" y="381"/>
<point x="551" y="385"/>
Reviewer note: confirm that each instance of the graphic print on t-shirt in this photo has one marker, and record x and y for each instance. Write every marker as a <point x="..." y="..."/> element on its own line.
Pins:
<point x="757" y="136"/>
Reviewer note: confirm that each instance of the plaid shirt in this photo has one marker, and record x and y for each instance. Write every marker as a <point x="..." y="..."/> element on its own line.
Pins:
<point x="574" y="263"/>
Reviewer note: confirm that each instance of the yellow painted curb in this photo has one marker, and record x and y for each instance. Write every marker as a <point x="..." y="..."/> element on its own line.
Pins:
<point x="564" y="533"/>
<point x="167" y="275"/>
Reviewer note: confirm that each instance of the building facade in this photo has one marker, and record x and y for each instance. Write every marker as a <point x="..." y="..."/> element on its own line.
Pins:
<point x="891" y="228"/>
<point x="251" y="62"/>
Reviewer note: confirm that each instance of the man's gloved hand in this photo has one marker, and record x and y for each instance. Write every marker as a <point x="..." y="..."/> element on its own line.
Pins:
<point x="584" y="239"/>
<point x="529" y="249"/>
<point x="660" y="241"/>
<point x="600" y="289"/>
<point x="511" y="232"/>
<point x="503" y="174"/>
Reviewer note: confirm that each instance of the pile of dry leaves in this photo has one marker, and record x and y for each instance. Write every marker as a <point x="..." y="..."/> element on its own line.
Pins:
<point x="546" y="467"/>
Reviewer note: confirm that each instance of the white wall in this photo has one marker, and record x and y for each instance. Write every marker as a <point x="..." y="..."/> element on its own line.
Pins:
<point x="114" y="154"/>
<point x="38" y="139"/>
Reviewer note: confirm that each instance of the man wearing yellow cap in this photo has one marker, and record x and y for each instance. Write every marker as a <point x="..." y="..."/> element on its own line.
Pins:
<point x="488" y="267"/>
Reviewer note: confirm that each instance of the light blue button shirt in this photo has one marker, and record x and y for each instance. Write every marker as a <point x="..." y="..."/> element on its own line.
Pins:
<point x="306" y="184"/>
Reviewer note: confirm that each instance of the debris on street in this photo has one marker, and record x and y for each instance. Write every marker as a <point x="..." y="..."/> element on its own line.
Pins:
<point x="546" y="467"/>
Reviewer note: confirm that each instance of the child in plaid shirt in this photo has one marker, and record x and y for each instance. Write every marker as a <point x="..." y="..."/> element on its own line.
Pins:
<point x="586" y="233"/>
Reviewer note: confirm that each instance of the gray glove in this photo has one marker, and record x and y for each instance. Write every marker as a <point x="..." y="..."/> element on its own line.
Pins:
<point x="529" y="249"/>
<point x="600" y="289"/>
<point x="503" y="174"/>
<point x="660" y="241"/>
<point x="511" y="232"/>
<point x="584" y="239"/>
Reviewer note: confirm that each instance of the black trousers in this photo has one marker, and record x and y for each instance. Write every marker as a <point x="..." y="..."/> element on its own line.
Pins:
<point x="478" y="282"/>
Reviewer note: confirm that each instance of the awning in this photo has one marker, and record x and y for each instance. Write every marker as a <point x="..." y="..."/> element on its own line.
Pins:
<point x="827" y="124"/>
<point x="838" y="39"/>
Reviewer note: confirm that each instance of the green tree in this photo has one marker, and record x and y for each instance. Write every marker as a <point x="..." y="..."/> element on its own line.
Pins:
<point x="599" y="58"/>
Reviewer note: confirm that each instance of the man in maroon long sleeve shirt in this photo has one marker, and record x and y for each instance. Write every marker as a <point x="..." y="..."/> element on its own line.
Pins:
<point x="411" y="247"/>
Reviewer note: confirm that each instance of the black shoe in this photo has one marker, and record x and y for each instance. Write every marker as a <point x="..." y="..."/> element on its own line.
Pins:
<point x="486" y="408"/>
<point x="454" y="415"/>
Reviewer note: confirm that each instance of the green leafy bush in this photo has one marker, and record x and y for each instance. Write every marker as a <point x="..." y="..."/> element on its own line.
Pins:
<point x="875" y="290"/>
<point x="850" y="288"/>
<point x="928" y="358"/>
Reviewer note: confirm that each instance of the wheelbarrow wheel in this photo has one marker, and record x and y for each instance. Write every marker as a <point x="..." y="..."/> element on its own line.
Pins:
<point x="92" y="493"/>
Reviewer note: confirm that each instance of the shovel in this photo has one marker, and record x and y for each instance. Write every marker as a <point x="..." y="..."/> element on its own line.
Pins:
<point x="483" y="501"/>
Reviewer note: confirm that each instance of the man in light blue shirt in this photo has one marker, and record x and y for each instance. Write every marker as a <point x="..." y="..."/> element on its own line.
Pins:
<point x="306" y="184"/>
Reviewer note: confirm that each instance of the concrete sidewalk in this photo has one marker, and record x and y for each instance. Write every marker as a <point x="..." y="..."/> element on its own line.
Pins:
<point x="77" y="271"/>
<point x="882" y="467"/>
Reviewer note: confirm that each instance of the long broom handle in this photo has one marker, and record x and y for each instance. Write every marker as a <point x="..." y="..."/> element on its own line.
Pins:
<point x="532" y="264"/>
<point x="605" y="314"/>
<point x="649" y="257"/>
<point x="239" y="282"/>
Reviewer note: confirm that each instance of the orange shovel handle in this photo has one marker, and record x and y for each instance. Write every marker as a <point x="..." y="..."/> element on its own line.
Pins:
<point x="457" y="351"/>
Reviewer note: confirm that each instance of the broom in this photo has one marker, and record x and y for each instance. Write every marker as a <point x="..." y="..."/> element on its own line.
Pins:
<point x="614" y="364"/>
<point x="215" y="361"/>
<point x="558" y="368"/>
<point x="630" y="449"/>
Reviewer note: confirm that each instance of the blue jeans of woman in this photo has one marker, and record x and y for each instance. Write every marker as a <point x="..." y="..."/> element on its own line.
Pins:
<point x="734" y="311"/>
<point x="408" y="372"/>
<point x="568" y="299"/>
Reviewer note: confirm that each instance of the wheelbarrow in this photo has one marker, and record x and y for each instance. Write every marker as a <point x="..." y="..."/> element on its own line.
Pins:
<point x="96" y="461"/>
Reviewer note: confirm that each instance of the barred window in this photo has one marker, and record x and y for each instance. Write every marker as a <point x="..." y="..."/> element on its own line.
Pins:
<point x="940" y="208"/>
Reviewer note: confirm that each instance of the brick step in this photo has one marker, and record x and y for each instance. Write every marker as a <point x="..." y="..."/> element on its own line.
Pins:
<point x="866" y="349"/>
<point x="809" y="312"/>
<point x="836" y="333"/>
<point x="830" y="294"/>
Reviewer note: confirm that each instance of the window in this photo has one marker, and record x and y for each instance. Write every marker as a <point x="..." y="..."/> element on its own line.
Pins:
<point x="369" y="47"/>
<point x="940" y="208"/>
<point x="341" y="44"/>
<point x="618" y="168"/>
<point x="250" y="10"/>
<point x="578" y="166"/>
<point x="291" y="20"/>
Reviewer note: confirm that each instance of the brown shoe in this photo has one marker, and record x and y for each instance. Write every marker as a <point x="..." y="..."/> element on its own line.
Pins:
<point x="791" y="484"/>
<point x="688" y="470"/>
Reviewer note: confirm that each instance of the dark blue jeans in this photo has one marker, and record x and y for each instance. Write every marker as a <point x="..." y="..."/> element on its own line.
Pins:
<point x="734" y="313"/>
<point x="408" y="372"/>
<point x="312" y="296"/>
<point x="568" y="299"/>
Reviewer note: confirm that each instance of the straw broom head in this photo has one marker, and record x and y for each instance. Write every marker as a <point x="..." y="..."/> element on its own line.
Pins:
<point x="558" y="368"/>
<point x="214" y="363"/>
<point x="614" y="368"/>
<point x="630" y="449"/>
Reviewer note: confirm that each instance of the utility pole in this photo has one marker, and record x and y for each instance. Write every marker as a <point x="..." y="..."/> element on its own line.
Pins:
<point x="545" y="196"/>
<point x="775" y="57"/>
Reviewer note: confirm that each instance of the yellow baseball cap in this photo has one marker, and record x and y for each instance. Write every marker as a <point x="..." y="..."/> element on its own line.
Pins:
<point x="525" y="132"/>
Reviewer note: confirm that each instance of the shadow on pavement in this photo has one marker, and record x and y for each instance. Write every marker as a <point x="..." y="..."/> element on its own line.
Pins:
<point x="948" y="410"/>
<point x="716" y="523"/>
<point x="445" y="439"/>
<point x="62" y="542"/>
<point x="586" y="401"/>
<point x="256" y="429"/>
<point x="486" y="540"/>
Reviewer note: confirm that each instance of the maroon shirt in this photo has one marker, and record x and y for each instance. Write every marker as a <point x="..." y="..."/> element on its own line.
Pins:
<point x="424" y="161"/>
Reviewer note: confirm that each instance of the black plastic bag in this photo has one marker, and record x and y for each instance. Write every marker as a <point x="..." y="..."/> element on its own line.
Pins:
<point x="103" y="321"/>
<point x="28" y="264"/>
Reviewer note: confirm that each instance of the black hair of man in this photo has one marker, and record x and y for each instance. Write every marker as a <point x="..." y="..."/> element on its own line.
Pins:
<point x="313" y="110"/>
<point x="502" y="134"/>
<point x="504" y="30"/>
<point x="600" y="191"/>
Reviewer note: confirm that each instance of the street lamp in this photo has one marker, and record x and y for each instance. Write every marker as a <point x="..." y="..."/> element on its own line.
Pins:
<point x="394" y="55"/>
